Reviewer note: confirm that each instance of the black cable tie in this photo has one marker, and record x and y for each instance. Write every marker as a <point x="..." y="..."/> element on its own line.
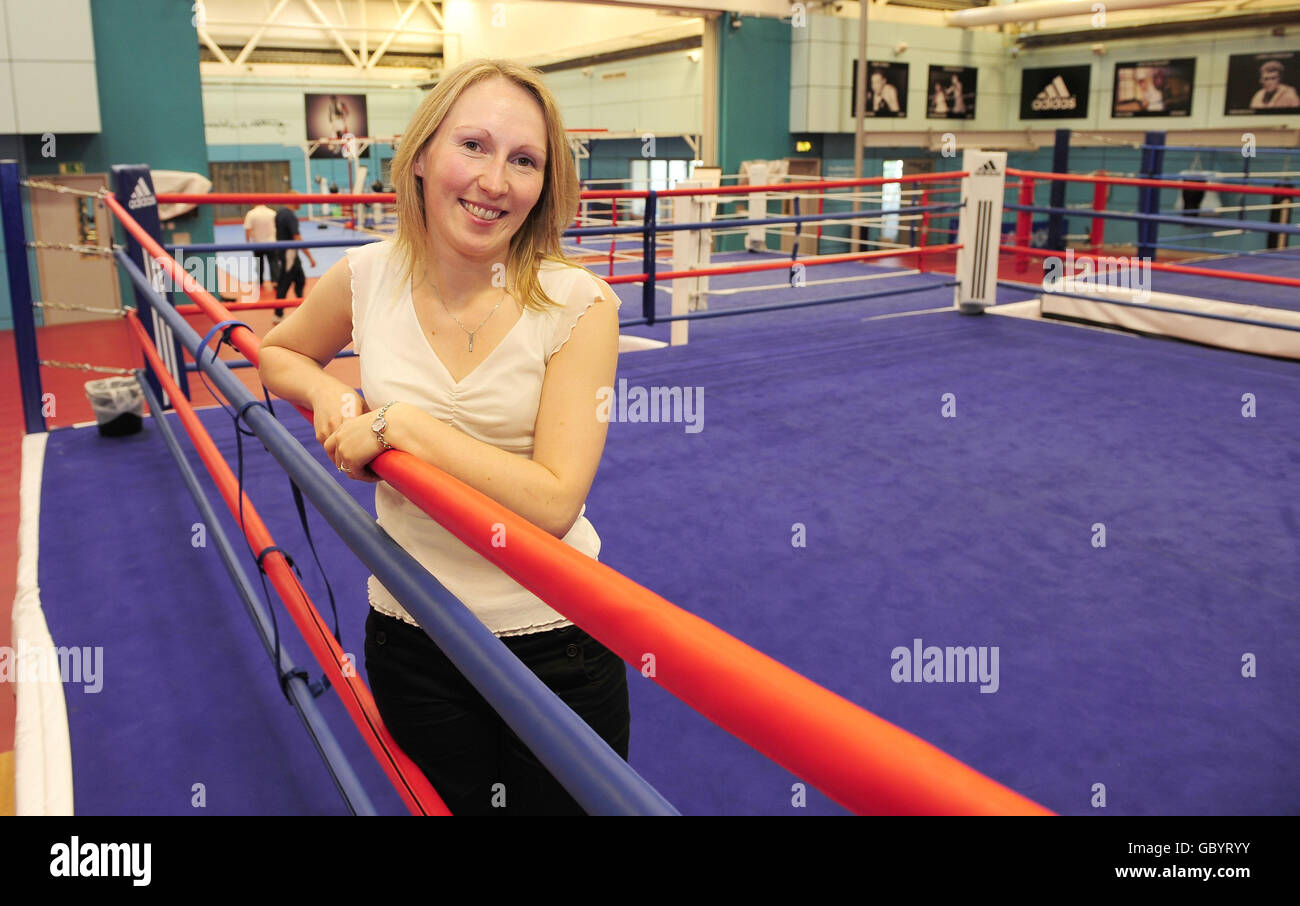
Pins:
<point x="286" y="676"/>
<point x="241" y="416"/>
<point x="320" y="687"/>
<point x="225" y="327"/>
<point x="285" y="553"/>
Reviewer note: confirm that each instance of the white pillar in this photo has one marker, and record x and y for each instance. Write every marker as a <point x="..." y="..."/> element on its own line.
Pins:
<point x="979" y="229"/>
<point x="691" y="250"/>
<point x="756" y="236"/>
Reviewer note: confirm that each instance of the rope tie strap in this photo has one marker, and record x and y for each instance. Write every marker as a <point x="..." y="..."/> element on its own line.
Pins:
<point x="68" y="306"/>
<point x="73" y="247"/>
<point x="85" y="366"/>
<point x="62" y="190"/>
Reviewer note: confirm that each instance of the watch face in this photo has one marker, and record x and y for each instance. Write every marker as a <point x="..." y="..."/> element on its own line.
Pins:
<point x="378" y="425"/>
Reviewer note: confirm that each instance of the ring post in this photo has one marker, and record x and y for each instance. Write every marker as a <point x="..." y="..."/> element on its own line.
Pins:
<point x="925" y="229"/>
<point x="1056" y="225"/>
<point x="1153" y="165"/>
<point x="648" y="257"/>
<point x="1024" y="222"/>
<point x="1097" y="235"/>
<point x="979" y="230"/>
<point x="20" y="295"/>
<point x="613" y="239"/>
<point x="1245" y="175"/>
<point x="133" y="189"/>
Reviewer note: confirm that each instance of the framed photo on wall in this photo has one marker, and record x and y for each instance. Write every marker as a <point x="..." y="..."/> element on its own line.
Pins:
<point x="1263" y="84"/>
<point x="1054" y="93"/>
<point x="332" y="116"/>
<point x="950" y="93"/>
<point x="1153" y="88"/>
<point x="886" y="89"/>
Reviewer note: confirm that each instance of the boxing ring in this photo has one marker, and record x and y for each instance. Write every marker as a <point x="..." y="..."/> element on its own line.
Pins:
<point x="945" y="476"/>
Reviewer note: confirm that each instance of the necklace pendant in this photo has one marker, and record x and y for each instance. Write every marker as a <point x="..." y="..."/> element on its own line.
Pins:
<point x="471" y="342"/>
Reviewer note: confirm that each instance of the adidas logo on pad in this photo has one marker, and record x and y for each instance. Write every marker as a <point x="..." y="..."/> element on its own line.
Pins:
<point x="1055" y="96"/>
<point x="141" y="197"/>
<point x="989" y="168"/>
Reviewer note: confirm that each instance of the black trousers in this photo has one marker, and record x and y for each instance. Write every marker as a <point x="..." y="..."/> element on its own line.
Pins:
<point x="475" y="762"/>
<point x="290" y="276"/>
<point x="264" y="266"/>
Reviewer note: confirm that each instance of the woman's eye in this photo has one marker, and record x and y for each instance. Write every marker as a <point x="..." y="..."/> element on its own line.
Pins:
<point x="527" y="162"/>
<point x="472" y="145"/>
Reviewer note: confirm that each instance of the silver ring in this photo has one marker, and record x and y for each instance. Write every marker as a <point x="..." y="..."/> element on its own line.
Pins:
<point x="342" y="468"/>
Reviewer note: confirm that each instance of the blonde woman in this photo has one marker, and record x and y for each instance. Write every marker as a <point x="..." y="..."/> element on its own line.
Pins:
<point x="482" y="351"/>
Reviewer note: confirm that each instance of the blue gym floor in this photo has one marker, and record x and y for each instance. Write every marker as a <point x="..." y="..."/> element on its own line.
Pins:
<point x="1120" y="665"/>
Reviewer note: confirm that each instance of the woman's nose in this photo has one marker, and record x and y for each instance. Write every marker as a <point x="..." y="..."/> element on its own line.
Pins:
<point x="492" y="178"/>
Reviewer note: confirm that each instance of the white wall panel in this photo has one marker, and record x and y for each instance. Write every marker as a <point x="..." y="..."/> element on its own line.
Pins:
<point x="8" y="122"/>
<point x="4" y="30"/>
<point x="50" y="30"/>
<point x="55" y="97"/>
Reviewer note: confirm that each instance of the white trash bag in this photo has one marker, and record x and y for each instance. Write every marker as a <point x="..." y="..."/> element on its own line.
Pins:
<point x="119" y="405"/>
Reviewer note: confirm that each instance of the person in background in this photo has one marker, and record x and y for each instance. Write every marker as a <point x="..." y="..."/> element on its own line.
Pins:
<point x="377" y="209"/>
<point x="259" y="226"/>
<point x="291" y="272"/>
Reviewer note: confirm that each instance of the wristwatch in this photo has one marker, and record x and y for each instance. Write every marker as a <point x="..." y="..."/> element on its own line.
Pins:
<point x="380" y="425"/>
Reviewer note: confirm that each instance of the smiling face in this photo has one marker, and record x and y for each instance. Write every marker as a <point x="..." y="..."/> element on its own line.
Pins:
<point x="483" y="170"/>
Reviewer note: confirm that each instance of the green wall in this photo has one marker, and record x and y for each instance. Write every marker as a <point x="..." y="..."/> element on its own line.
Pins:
<point x="753" y="99"/>
<point x="753" y="91"/>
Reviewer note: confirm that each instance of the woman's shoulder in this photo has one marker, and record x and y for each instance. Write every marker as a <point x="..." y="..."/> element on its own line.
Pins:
<point x="371" y="251"/>
<point x="371" y="263"/>
<point x="570" y="284"/>
<point x="575" y="290"/>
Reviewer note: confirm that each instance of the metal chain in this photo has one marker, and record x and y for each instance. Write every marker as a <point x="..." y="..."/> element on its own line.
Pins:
<point x="63" y="190"/>
<point x="69" y="247"/>
<point x="86" y="366"/>
<point x="65" y="306"/>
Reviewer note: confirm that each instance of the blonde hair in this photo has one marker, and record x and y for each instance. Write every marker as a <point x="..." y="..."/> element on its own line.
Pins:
<point x="539" y="236"/>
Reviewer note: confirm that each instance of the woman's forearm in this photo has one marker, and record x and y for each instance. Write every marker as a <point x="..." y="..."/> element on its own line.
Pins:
<point x="298" y="378"/>
<point x="520" y="484"/>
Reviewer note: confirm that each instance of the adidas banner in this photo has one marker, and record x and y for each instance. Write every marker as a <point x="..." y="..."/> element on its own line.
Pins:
<point x="133" y="189"/>
<point x="1055" y="93"/>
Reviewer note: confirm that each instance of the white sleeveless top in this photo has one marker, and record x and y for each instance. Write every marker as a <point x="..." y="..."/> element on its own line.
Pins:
<point x="495" y="403"/>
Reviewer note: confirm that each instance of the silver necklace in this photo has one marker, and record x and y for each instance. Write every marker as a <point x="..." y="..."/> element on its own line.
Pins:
<point x="471" y="333"/>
